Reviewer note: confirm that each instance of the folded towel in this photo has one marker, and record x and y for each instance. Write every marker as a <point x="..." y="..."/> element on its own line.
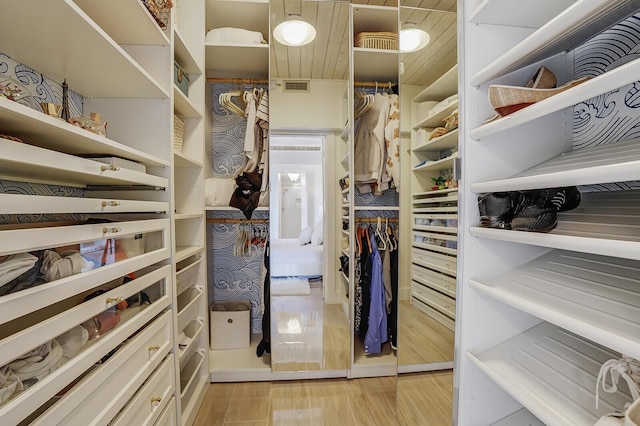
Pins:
<point x="38" y="363"/>
<point x="15" y="265"/>
<point x="228" y="35"/>
<point x="55" y="267"/>
<point x="72" y="341"/>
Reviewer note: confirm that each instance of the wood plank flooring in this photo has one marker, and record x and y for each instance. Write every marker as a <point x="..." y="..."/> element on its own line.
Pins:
<point x="424" y="400"/>
<point x="421" y="339"/>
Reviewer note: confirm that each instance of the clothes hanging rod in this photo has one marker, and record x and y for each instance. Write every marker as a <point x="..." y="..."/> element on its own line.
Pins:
<point x="238" y="80"/>
<point x="378" y="84"/>
<point x="227" y="220"/>
<point x="375" y="219"/>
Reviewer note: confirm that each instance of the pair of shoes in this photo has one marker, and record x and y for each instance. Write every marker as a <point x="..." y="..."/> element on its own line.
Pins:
<point x="628" y="369"/>
<point x="533" y="211"/>
<point x="509" y="99"/>
<point x="542" y="79"/>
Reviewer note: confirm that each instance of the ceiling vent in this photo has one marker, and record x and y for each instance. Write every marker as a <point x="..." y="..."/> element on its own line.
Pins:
<point x="296" y="86"/>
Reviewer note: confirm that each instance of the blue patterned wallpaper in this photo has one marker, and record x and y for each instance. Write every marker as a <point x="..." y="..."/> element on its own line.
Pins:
<point x="233" y="277"/>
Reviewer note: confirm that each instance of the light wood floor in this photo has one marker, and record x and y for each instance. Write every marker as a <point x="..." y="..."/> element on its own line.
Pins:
<point x="421" y="339"/>
<point x="425" y="400"/>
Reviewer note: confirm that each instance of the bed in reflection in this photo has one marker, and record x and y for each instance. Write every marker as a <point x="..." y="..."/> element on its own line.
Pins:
<point x="290" y="259"/>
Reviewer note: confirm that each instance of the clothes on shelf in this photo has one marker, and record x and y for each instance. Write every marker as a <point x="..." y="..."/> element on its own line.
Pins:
<point x="377" y="144"/>
<point x="376" y="287"/>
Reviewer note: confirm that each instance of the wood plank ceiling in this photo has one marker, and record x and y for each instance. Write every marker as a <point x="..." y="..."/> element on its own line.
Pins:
<point x="327" y="57"/>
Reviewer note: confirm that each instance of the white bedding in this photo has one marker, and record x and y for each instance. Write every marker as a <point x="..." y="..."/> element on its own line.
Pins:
<point x="290" y="259"/>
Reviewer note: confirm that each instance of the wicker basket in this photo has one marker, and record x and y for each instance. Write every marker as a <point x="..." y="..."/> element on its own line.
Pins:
<point x="178" y="133"/>
<point x="160" y="10"/>
<point x="377" y="40"/>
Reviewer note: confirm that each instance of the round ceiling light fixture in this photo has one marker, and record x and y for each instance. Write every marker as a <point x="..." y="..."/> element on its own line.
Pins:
<point x="294" y="33"/>
<point x="413" y="39"/>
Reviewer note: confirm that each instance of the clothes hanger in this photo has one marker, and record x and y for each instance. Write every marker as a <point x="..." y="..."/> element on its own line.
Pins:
<point x="380" y="240"/>
<point x="387" y="228"/>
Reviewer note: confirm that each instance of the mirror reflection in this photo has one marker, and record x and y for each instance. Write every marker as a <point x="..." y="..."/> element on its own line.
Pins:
<point x="309" y="322"/>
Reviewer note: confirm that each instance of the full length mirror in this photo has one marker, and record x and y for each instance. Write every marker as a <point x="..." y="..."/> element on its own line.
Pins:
<point x="308" y="77"/>
<point x="429" y="85"/>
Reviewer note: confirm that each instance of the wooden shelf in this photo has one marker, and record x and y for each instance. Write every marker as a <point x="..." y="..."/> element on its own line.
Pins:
<point x="506" y="12"/>
<point x="577" y="24"/>
<point x="126" y="22"/>
<point x="617" y="162"/>
<point x="594" y="296"/>
<point x="103" y="71"/>
<point x="446" y="197"/>
<point x="442" y="229"/>
<point x="442" y="88"/>
<point x="184" y="252"/>
<point x="527" y="368"/>
<point x="42" y="130"/>
<point x="436" y="119"/>
<point x="375" y="65"/>
<point x="434" y="248"/>
<point x="240" y="61"/>
<point x="450" y="140"/>
<point x="434" y="192"/>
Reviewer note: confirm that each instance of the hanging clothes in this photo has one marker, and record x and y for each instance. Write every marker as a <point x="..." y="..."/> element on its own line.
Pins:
<point x="262" y="122"/>
<point x="377" y="322"/>
<point x="265" y="343"/>
<point x="392" y="140"/>
<point x="370" y="146"/>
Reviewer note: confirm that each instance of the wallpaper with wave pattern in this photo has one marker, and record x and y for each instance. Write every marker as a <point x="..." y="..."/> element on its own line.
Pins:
<point x="37" y="88"/>
<point x="233" y="277"/>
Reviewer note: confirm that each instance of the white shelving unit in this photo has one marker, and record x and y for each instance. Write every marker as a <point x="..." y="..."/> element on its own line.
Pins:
<point x="121" y="62"/>
<point x="380" y="66"/>
<point x="571" y="295"/>
<point x="434" y="212"/>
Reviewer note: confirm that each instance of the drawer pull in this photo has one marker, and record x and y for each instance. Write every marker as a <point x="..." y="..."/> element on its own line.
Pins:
<point x="110" y="203"/>
<point x="113" y="300"/>
<point x="156" y="400"/>
<point x="109" y="167"/>
<point x="114" y="230"/>
<point x="154" y="348"/>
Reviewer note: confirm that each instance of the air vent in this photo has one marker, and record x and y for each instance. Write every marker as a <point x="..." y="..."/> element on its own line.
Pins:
<point x="296" y="86"/>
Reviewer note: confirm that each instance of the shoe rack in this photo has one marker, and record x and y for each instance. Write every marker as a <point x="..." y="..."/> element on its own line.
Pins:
<point x="434" y="222"/>
<point x="538" y="313"/>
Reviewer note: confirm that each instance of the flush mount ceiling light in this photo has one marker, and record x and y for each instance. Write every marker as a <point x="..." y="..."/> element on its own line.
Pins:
<point x="293" y="176"/>
<point x="413" y="39"/>
<point x="294" y="32"/>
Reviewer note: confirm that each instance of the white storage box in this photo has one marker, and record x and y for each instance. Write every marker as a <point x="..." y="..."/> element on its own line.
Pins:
<point x="230" y="324"/>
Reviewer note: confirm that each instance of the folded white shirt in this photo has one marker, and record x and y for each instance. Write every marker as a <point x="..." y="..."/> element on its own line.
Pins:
<point x="15" y="265"/>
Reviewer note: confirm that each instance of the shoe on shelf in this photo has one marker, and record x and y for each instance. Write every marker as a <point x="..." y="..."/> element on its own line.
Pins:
<point x="497" y="209"/>
<point x="509" y="99"/>
<point x="561" y="199"/>
<point x="628" y="369"/>
<point x="535" y="219"/>
<point x="542" y="79"/>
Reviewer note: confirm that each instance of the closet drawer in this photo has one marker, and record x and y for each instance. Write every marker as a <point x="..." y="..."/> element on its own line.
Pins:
<point x="169" y="415"/>
<point x="147" y="405"/>
<point x="121" y="375"/>
<point x="187" y="274"/>
<point x="128" y="255"/>
<point x="25" y="204"/>
<point x="442" y="283"/>
<point x="188" y="344"/>
<point x="435" y="299"/>
<point x="155" y="284"/>
<point x="436" y="261"/>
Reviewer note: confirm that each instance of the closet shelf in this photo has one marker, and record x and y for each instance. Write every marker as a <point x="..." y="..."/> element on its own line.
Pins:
<point x="184" y="56"/>
<point x="434" y="299"/>
<point x="442" y="88"/>
<point x="445" y="163"/>
<point x="183" y="106"/>
<point x="552" y="373"/>
<point x="611" y="80"/>
<point x="42" y="130"/>
<point x="186" y="216"/>
<point x="345" y="191"/>
<point x="188" y="303"/>
<point x="186" y="275"/>
<point x="345" y="277"/>
<point x="344" y="232"/>
<point x="577" y="24"/>
<point x="375" y="65"/>
<point x="436" y="118"/>
<point x="103" y="71"/>
<point x="435" y="248"/>
<point x="189" y="373"/>
<point x="436" y="261"/>
<point x="184" y="252"/>
<point x="239" y="60"/>
<point x="127" y="22"/>
<point x="618" y="162"/>
<point x="449" y="197"/>
<point x="442" y="283"/>
<point x="506" y="12"/>
<point x="25" y="204"/>
<point x="594" y="296"/>
<point x="449" y="209"/>
<point x="377" y="208"/>
<point x="345" y="161"/>
<point x="23" y="161"/>
<point x="443" y="229"/>
<point x="192" y="334"/>
<point x="180" y="160"/>
<point x="604" y="223"/>
<point x="434" y="192"/>
<point x="450" y="140"/>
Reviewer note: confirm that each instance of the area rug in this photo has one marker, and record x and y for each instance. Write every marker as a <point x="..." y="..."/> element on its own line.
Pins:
<point x="290" y="286"/>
